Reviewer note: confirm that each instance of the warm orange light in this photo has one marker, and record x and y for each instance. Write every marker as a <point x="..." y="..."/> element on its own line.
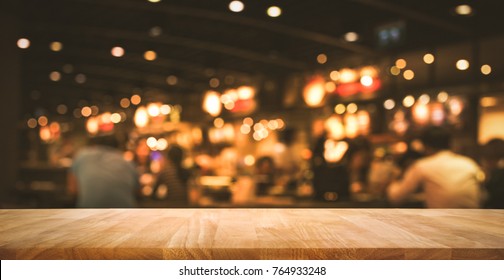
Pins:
<point x="245" y="92"/>
<point x="351" y="126"/>
<point x="92" y="125"/>
<point x="141" y="117"/>
<point x="334" y="127"/>
<point x="364" y="122"/>
<point x="56" y="46"/>
<point x="421" y="113"/>
<point x="32" y="123"/>
<point x="117" y="51"/>
<point x="347" y="75"/>
<point x="322" y="58"/>
<point x="400" y="63"/>
<point x="395" y="71"/>
<point x="428" y="58"/>
<point x="42" y="121"/>
<point x="486" y="69"/>
<point x="150" y="55"/>
<point x="45" y="134"/>
<point x="314" y="93"/>
<point x="236" y="6"/>
<point x="136" y="99"/>
<point x="125" y="103"/>
<point x="212" y="103"/>
<point x="274" y="11"/>
<point x="23" y="43"/>
<point x="115" y="118"/>
<point x="462" y="64"/>
<point x="86" y="111"/>
<point x="389" y="104"/>
<point x="409" y="75"/>
<point x="335" y="150"/>
<point x="153" y="109"/>
<point x="55" y="76"/>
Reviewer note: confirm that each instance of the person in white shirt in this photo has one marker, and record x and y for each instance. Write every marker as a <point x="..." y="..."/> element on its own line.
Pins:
<point x="447" y="180"/>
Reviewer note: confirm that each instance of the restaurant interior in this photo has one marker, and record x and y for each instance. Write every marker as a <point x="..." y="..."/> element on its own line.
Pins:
<point x="274" y="103"/>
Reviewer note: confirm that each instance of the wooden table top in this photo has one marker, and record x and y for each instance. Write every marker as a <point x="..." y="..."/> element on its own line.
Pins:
<point x="251" y="234"/>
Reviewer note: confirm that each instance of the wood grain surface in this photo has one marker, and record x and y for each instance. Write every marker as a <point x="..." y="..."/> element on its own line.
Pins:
<point x="252" y="234"/>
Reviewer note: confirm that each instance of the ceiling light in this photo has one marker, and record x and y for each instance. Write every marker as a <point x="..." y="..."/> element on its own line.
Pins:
<point x="395" y="71"/>
<point x="408" y="101"/>
<point x="463" y="10"/>
<point x="154" y="1"/>
<point x="150" y="55"/>
<point x="400" y="63"/>
<point x="409" y="74"/>
<point x="424" y="99"/>
<point x="214" y="82"/>
<point x="335" y="75"/>
<point x="274" y="11"/>
<point x="351" y="37"/>
<point x="23" y="43"/>
<point x="236" y="6"/>
<point x="462" y="64"/>
<point x="389" y="104"/>
<point x="56" y="46"/>
<point x="486" y="69"/>
<point x="488" y="101"/>
<point x="366" y="80"/>
<point x="321" y="58"/>
<point x="340" y="109"/>
<point x="352" y="108"/>
<point x="428" y="58"/>
<point x="442" y="96"/>
<point x="55" y="76"/>
<point x="117" y="51"/>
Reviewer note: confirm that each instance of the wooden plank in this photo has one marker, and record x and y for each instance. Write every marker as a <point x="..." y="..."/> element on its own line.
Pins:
<point x="251" y="234"/>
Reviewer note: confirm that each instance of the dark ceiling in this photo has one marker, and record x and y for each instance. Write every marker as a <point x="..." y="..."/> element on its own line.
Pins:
<point x="203" y="39"/>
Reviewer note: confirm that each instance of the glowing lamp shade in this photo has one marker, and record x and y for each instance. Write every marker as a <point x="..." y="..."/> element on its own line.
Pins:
<point x="314" y="92"/>
<point x="438" y="114"/>
<point x="92" y="126"/>
<point x="335" y="128"/>
<point x="351" y="126"/>
<point x="366" y="81"/>
<point x="421" y="113"/>
<point x="212" y="103"/>
<point x="456" y="106"/>
<point x="141" y="117"/>
<point x="245" y="92"/>
<point x="334" y="150"/>
<point x="45" y="134"/>
<point x="153" y="110"/>
<point x="347" y="75"/>
<point x="364" y="122"/>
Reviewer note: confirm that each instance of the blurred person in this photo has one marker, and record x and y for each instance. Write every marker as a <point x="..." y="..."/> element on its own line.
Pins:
<point x="173" y="177"/>
<point x="101" y="178"/>
<point x="331" y="179"/>
<point x="359" y="164"/>
<point x="492" y="160"/>
<point x="447" y="180"/>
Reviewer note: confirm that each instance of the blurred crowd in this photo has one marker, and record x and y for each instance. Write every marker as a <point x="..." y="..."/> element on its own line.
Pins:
<point x="428" y="172"/>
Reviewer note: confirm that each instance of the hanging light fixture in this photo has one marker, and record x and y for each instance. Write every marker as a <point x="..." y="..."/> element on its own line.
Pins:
<point x="212" y="103"/>
<point x="314" y="92"/>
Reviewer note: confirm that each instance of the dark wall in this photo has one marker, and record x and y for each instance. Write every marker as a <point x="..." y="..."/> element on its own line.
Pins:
<point x="10" y="92"/>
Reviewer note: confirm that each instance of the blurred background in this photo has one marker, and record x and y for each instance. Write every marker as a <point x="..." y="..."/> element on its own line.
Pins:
<point x="274" y="103"/>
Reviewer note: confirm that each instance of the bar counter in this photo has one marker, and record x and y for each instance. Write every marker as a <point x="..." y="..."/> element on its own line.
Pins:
<point x="251" y="234"/>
